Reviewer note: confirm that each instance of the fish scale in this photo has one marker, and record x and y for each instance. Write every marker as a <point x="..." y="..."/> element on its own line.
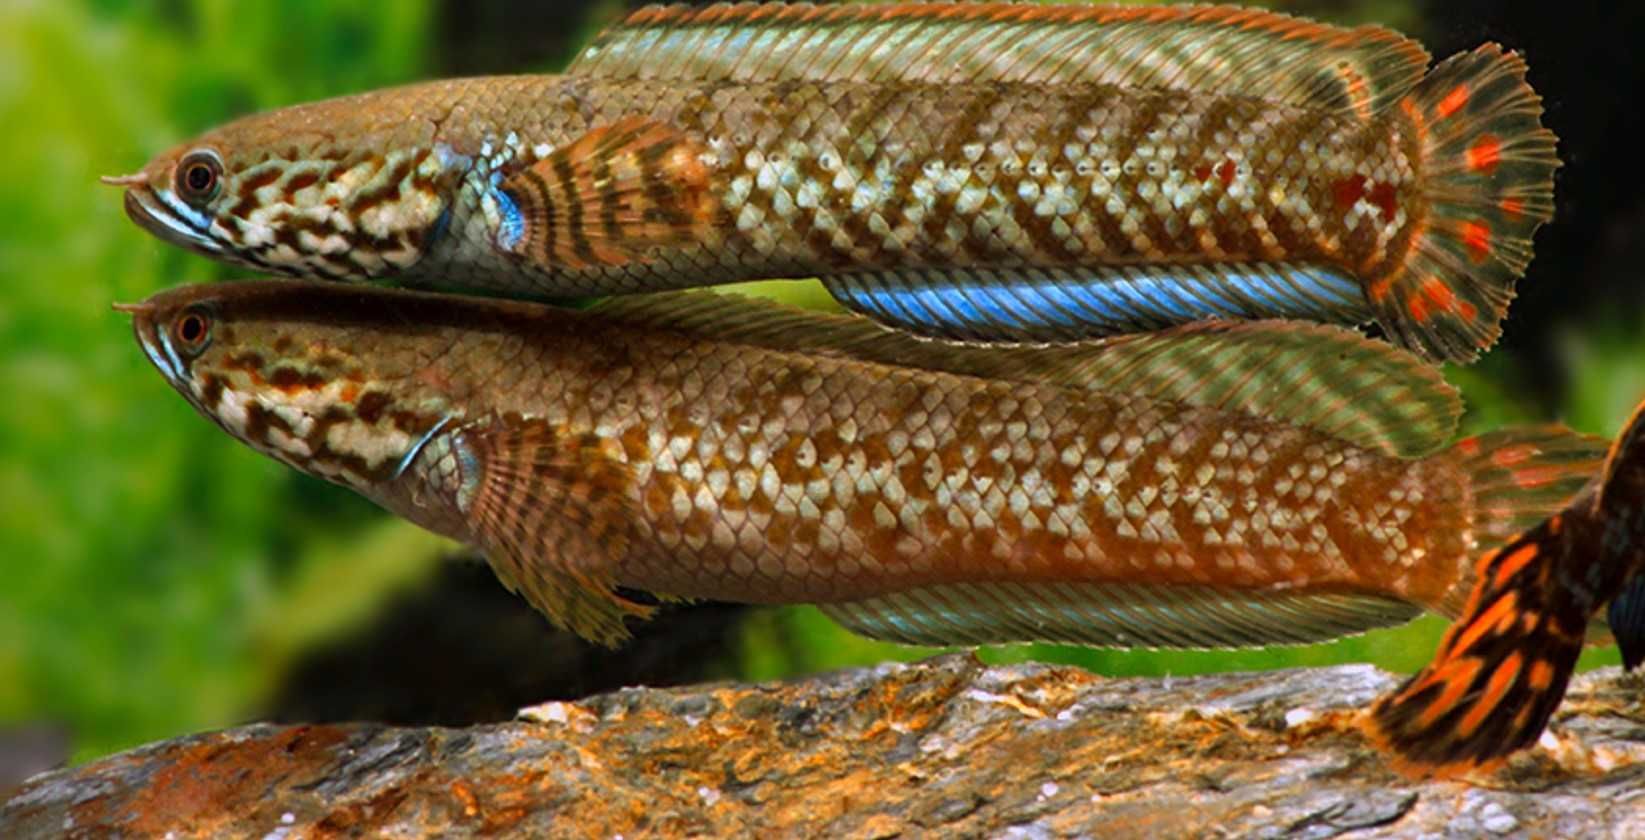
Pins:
<point x="978" y="171"/>
<point x="703" y="446"/>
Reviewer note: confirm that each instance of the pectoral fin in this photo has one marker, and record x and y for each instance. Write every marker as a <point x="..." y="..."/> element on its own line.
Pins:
<point x="609" y="198"/>
<point x="552" y="512"/>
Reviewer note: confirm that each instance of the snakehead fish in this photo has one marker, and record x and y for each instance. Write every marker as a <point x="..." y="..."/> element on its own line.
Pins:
<point x="979" y="171"/>
<point x="1211" y="485"/>
<point x="1503" y="667"/>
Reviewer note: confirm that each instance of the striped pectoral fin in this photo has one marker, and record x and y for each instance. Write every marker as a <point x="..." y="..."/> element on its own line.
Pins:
<point x="552" y="511"/>
<point x="1501" y="669"/>
<point x="1115" y="615"/>
<point x="1070" y="304"/>
<point x="609" y="198"/>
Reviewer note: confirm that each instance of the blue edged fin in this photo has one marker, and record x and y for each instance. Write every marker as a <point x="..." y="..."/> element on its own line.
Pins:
<point x="1070" y="304"/>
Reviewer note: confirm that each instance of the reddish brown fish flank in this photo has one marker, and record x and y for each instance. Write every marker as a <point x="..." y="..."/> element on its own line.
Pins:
<point x="710" y="461"/>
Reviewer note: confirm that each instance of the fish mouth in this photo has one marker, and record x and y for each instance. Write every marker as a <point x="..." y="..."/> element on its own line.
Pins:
<point x="157" y="214"/>
<point x="156" y="346"/>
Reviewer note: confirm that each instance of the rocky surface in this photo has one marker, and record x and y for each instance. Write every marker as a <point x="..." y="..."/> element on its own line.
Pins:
<point x="946" y="747"/>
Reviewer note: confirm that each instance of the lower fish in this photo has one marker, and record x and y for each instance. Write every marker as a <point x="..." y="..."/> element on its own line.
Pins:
<point x="1217" y="485"/>
<point x="1503" y="667"/>
<point x="993" y="172"/>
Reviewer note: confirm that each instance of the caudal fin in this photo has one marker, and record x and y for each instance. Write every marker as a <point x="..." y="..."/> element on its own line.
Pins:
<point x="1622" y="504"/>
<point x="1503" y="667"/>
<point x="1488" y="165"/>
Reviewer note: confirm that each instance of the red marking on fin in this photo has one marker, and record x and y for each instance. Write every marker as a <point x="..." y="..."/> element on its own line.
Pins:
<point x="1537" y="476"/>
<point x="1439" y="294"/>
<point x="1508" y="456"/>
<point x="1453" y="101"/>
<point x="1469" y="446"/>
<point x="1418" y="308"/>
<point x="1485" y="154"/>
<point x="1477" y="237"/>
<point x="1486" y="184"/>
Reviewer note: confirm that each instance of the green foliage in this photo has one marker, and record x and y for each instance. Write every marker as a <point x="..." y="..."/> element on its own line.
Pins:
<point x="138" y="544"/>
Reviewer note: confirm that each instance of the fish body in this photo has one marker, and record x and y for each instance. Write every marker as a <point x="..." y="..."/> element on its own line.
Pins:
<point x="988" y="172"/>
<point x="1207" y="486"/>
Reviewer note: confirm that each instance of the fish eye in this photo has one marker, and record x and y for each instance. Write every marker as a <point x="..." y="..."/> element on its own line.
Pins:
<point x="199" y="174"/>
<point x="191" y="330"/>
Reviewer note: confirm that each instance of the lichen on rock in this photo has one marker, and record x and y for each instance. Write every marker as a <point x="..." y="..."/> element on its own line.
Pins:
<point x="948" y="746"/>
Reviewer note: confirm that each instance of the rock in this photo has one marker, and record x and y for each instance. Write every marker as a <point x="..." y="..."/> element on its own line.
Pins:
<point x="945" y="747"/>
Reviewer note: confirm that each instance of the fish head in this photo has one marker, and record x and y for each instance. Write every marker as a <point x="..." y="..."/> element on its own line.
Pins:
<point x="296" y="378"/>
<point x="340" y="190"/>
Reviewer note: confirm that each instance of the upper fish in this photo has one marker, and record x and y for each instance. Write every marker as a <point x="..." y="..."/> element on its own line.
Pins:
<point x="1213" y="485"/>
<point x="981" y="171"/>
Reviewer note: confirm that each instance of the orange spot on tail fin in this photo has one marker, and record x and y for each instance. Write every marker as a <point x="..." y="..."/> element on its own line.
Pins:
<point x="1476" y="237"/>
<point x="1453" y="101"/>
<point x="1484" y="155"/>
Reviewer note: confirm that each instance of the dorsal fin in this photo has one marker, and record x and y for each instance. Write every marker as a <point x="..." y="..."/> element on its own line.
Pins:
<point x="1331" y="379"/>
<point x="1209" y="49"/>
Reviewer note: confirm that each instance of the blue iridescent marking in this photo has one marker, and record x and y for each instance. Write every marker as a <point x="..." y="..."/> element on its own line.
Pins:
<point x="416" y="448"/>
<point x="511" y="228"/>
<point x="1061" y="304"/>
<point x="441" y="225"/>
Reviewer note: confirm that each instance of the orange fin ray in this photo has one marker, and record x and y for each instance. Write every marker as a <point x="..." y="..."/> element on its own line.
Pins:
<point x="553" y="514"/>
<point x="611" y="196"/>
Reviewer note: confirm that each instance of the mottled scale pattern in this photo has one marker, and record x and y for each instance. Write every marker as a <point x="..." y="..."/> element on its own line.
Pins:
<point x="814" y="177"/>
<point x="746" y="473"/>
<point x="779" y="479"/>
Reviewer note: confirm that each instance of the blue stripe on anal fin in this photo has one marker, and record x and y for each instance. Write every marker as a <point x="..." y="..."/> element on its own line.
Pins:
<point x="1067" y="304"/>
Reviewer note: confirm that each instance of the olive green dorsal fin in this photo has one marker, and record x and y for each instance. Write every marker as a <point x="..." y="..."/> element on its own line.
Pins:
<point x="551" y="511"/>
<point x="1115" y="615"/>
<point x="1331" y="379"/>
<point x="1206" y="49"/>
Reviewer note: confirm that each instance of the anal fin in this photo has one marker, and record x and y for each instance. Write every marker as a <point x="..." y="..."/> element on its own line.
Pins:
<point x="552" y="512"/>
<point x="1115" y="615"/>
<point x="609" y="197"/>
<point x="1032" y="305"/>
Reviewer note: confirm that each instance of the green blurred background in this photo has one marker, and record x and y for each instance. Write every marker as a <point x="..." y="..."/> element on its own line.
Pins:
<point x="158" y="578"/>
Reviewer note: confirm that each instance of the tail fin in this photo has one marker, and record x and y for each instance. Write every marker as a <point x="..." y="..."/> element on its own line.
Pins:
<point x="1622" y="504"/>
<point x="1503" y="667"/>
<point x="1489" y="169"/>
<point x="1627" y="619"/>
